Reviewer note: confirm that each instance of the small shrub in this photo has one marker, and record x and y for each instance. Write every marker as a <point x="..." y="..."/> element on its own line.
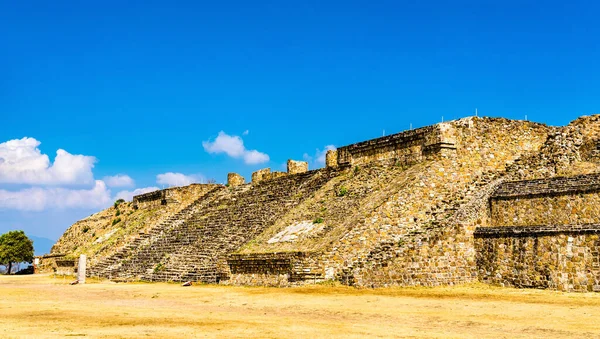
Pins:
<point x="85" y="229"/>
<point x="118" y="202"/>
<point x="226" y="185"/>
<point x="159" y="267"/>
<point x="116" y="221"/>
<point x="342" y="191"/>
<point x="319" y="220"/>
<point x="118" y="213"/>
<point x="356" y="169"/>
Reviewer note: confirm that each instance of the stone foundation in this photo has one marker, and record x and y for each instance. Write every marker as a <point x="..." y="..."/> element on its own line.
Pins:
<point x="277" y="269"/>
<point x="564" y="258"/>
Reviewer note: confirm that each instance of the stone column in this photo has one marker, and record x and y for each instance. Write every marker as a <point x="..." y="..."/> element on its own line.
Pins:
<point x="81" y="269"/>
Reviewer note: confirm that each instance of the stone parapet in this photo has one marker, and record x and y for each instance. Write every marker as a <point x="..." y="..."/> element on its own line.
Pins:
<point x="551" y="201"/>
<point x="294" y="167"/>
<point x="260" y="175"/>
<point x="331" y="158"/>
<point x="171" y="195"/>
<point x="528" y="231"/>
<point x="405" y="148"/>
<point x="549" y="186"/>
<point x="234" y="179"/>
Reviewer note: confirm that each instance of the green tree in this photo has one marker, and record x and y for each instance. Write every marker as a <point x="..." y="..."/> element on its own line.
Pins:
<point x="15" y="247"/>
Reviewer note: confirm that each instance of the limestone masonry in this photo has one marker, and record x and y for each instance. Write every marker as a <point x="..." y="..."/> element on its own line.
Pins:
<point x="505" y="202"/>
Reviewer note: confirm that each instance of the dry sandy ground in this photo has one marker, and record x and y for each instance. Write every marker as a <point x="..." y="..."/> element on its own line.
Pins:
<point x="46" y="307"/>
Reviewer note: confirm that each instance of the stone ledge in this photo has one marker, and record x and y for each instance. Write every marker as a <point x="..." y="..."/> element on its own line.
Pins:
<point x="532" y="231"/>
<point x="297" y="266"/>
<point x="585" y="183"/>
<point x="409" y="146"/>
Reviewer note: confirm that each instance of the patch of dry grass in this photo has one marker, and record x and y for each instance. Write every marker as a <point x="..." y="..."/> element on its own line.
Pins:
<point x="43" y="306"/>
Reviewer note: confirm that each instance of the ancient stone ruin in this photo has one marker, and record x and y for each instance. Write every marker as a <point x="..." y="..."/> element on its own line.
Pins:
<point x="505" y="202"/>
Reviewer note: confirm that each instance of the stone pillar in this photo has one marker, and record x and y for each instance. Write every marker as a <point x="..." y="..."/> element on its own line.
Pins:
<point x="234" y="179"/>
<point x="331" y="158"/>
<point x="81" y="269"/>
<point x="260" y="175"/>
<point x="294" y="166"/>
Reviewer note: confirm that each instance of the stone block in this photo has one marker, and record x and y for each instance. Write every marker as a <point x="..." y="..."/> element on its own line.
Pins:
<point x="294" y="166"/>
<point x="234" y="179"/>
<point x="331" y="158"/>
<point x="260" y="175"/>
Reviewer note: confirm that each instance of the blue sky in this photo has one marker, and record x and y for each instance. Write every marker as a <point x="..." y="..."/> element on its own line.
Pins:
<point x="143" y="89"/>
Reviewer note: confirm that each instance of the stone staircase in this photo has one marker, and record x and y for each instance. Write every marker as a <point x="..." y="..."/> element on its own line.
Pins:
<point x="112" y="266"/>
<point x="385" y="251"/>
<point x="197" y="250"/>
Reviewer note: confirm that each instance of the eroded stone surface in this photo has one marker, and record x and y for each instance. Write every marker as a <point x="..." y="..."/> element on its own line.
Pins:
<point x="234" y="179"/>
<point x="440" y="205"/>
<point x="292" y="232"/>
<point x="294" y="166"/>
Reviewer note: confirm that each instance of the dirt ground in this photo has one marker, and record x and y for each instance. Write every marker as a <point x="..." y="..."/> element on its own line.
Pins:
<point x="46" y="307"/>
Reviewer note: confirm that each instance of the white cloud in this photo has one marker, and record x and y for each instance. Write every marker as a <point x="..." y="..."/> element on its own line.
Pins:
<point x="38" y="199"/>
<point x="234" y="147"/>
<point x="224" y="143"/>
<point x="246" y="132"/>
<point x="254" y="157"/>
<point x="318" y="160"/>
<point x="21" y="162"/>
<point x="179" y="179"/>
<point x="128" y="195"/>
<point x="119" y="180"/>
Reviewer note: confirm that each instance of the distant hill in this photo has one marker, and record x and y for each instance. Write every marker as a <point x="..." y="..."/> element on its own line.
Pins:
<point x="41" y="245"/>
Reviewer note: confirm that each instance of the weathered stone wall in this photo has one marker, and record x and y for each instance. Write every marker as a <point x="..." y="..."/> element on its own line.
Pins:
<point x="274" y="269"/>
<point x="234" y="179"/>
<point x="331" y="158"/>
<point x="173" y="195"/>
<point x="389" y="223"/>
<point x="422" y="234"/>
<point x="405" y="148"/>
<point x="565" y="258"/>
<point x="544" y="234"/>
<point x="294" y="167"/>
<point x="260" y="175"/>
<point x="564" y="209"/>
<point x="194" y="246"/>
<point x="431" y="206"/>
<point x="65" y="267"/>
